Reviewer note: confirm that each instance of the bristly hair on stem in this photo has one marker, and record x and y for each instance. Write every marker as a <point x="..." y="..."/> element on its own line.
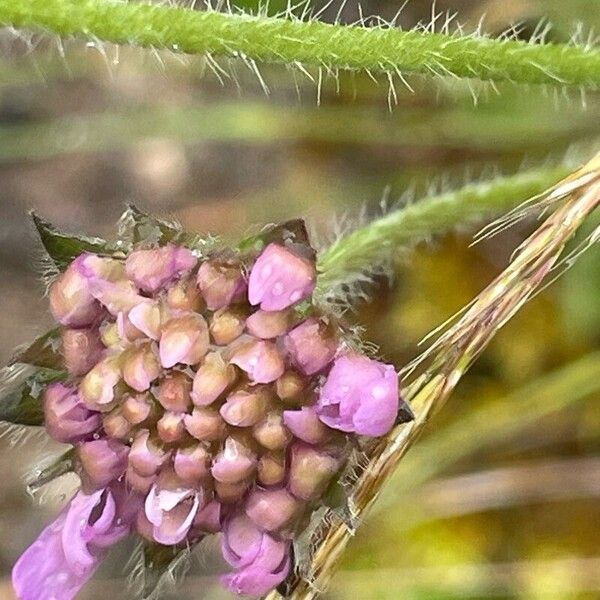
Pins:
<point x="293" y="41"/>
<point x="431" y="378"/>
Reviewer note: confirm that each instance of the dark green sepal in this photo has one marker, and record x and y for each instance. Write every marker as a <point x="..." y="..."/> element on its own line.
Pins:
<point x="161" y="565"/>
<point x="44" y="351"/>
<point x="289" y="232"/>
<point x="57" y="468"/>
<point x="21" y="388"/>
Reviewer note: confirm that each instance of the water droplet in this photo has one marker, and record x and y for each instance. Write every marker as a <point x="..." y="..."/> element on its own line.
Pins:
<point x="295" y="296"/>
<point x="379" y="391"/>
<point x="277" y="288"/>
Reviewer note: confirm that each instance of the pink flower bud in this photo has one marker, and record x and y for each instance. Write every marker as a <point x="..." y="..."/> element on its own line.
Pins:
<point x="208" y="519"/>
<point x="146" y="456"/>
<point x="115" y="296"/>
<point x="271" y="468"/>
<point x="231" y="493"/>
<point x="212" y="379"/>
<point x="245" y="408"/>
<point x="67" y="419"/>
<point x="234" y="464"/>
<point x="184" y="295"/>
<point x="205" y="424"/>
<point x="269" y="324"/>
<point x="184" y="340"/>
<point x="280" y="278"/>
<point x="221" y="283"/>
<point x="71" y="300"/>
<point x="137" y="408"/>
<point x="142" y="485"/>
<point x="102" y="461"/>
<point x="82" y="349"/>
<point x="360" y="395"/>
<point x="290" y="387"/>
<point x="174" y="392"/>
<point x="260" y="359"/>
<point x="152" y="269"/>
<point x="227" y="324"/>
<point x="115" y="425"/>
<point x="311" y="470"/>
<point x="97" y="387"/>
<point x="306" y="425"/>
<point x="140" y="366"/>
<point x="271" y="510"/>
<point x="171" y="427"/>
<point x="192" y="464"/>
<point x="311" y="346"/>
<point x="147" y="317"/>
<point x="122" y="331"/>
<point x="271" y="433"/>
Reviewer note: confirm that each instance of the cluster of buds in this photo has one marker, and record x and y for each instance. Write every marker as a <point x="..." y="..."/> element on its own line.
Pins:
<point x="200" y="400"/>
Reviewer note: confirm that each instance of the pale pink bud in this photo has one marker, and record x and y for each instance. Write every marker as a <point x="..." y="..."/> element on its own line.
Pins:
<point x="174" y="392"/>
<point x="311" y="470"/>
<point x="146" y="456"/>
<point x="205" y="424"/>
<point x="123" y="329"/>
<point x="231" y="493"/>
<point x="71" y="300"/>
<point x="212" y="379"/>
<point x="110" y="336"/>
<point x="116" y="296"/>
<point x="97" y="388"/>
<point x="269" y="324"/>
<point x="184" y="340"/>
<point x="234" y="464"/>
<point x="260" y="359"/>
<point x="306" y="425"/>
<point x="227" y="324"/>
<point x="221" y="283"/>
<point x="192" y="463"/>
<point x="184" y="295"/>
<point x="271" y="468"/>
<point x="146" y="317"/>
<point x="82" y="349"/>
<point x="280" y="278"/>
<point x="152" y="269"/>
<point x="290" y="387"/>
<point x="140" y="366"/>
<point x="115" y="425"/>
<point x="171" y="427"/>
<point x="137" y="408"/>
<point x="66" y="417"/>
<point x="271" y="510"/>
<point x="138" y="482"/>
<point x="102" y="461"/>
<point x="271" y="433"/>
<point x="311" y="346"/>
<point x="360" y="395"/>
<point x="245" y="408"/>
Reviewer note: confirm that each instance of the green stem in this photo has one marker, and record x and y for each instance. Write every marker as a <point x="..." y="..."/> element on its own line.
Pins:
<point x="270" y="39"/>
<point x="381" y="241"/>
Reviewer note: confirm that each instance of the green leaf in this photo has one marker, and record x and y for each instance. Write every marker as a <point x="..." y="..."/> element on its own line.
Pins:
<point x="293" y="231"/>
<point x="162" y="566"/>
<point x="63" y="248"/>
<point x="42" y="352"/>
<point x="21" y="388"/>
<point x="56" y="468"/>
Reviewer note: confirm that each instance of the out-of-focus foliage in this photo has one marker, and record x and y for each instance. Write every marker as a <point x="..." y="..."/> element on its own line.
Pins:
<point x="500" y="498"/>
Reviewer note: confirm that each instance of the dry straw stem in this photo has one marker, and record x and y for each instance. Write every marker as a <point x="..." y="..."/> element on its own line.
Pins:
<point x="432" y="376"/>
<point x="294" y="41"/>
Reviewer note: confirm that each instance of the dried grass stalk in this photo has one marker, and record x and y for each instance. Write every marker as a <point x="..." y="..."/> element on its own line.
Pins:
<point x="432" y="376"/>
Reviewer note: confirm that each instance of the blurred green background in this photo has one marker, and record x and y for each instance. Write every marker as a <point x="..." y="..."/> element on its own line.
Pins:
<point x="501" y="497"/>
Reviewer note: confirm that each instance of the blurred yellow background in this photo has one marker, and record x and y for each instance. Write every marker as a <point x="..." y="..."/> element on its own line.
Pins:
<point x="500" y="499"/>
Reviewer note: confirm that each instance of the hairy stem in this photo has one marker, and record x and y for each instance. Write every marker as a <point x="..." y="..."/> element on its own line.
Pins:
<point x="271" y="39"/>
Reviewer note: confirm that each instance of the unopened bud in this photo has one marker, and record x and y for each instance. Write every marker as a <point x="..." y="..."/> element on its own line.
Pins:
<point x="140" y="366"/>
<point x="311" y="470"/>
<point x="192" y="463"/>
<point x="82" y="349"/>
<point x="271" y="510"/>
<point x="97" y="388"/>
<point x="212" y="379"/>
<point x="171" y="427"/>
<point x="138" y="482"/>
<point x="269" y="324"/>
<point x="174" y="392"/>
<point x="110" y="336"/>
<point x="146" y="317"/>
<point x="152" y="269"/>
<point x="311" y="346"/>
<point x="271" y="468"/>
<point x="227" y="324"/>
<point x="229" y="493"/>
<point x="146" y="456"/>
<point x="137" y="408"/>
<point x="205" y="424"/>
<point x="306" y="425"/>
<point x="101" y="462"/>
<point x="260" y="359"/>
<point x="271" y="433"/>
<point x="221" y="283"/>
<point x="245" y="408"/>
<point x="290" y="387"/>
<point x="184" y="295"/>
<point x="234" y="464"/>
<point x="184" y="340"/>
<point x="115" y="425"/>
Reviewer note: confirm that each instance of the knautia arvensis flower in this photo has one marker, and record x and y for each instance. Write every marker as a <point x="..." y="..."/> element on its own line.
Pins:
<point x="204" y="393"/>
